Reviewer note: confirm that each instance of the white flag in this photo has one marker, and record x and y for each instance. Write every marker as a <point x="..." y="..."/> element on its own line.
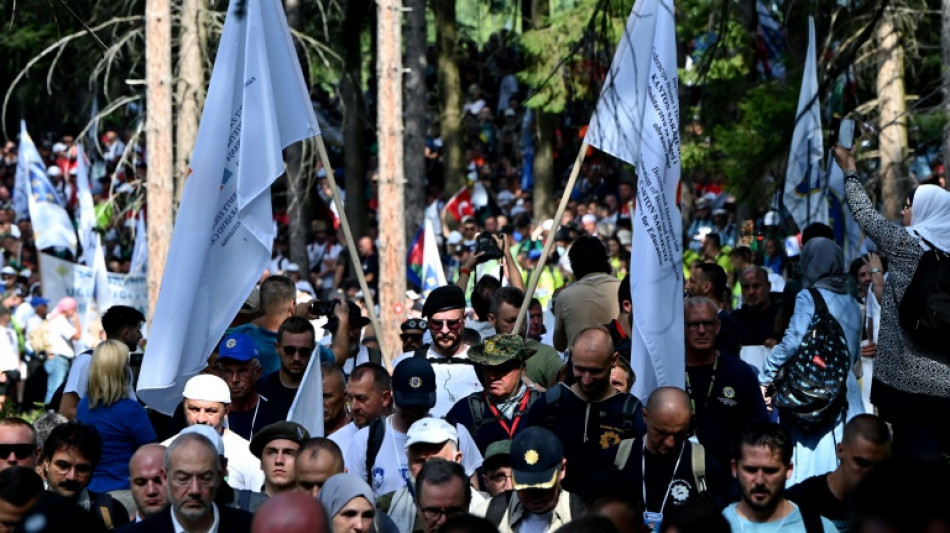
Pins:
<point x="847" y="232"/>
<point x="140" y="250"/>
<point x="805" y="194"/>
<point x="257" y="104"/>
<point x="307" y="409"/>
<point x="637" y="120"/>
<point x="92" y="253"/>
<point x="433" y="276"/>
<point x="51" y="224"/>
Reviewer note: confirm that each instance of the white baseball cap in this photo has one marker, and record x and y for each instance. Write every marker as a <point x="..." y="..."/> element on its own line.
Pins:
<point x="431" y="431"/>
<point x="207" y="432"/>
<point x="207" y="388"/>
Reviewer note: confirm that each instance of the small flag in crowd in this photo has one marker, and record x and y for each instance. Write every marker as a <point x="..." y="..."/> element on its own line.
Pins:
<point x="414" y="260"/>
<point x="637" y="120"/>
<point x="307" y="409"/>
<point x="257" y="104"/>
<point x="46" y="207"/>
<point x="140" y="250"/>
<point x="432" y="275"/>
<point x="460" y="205"/>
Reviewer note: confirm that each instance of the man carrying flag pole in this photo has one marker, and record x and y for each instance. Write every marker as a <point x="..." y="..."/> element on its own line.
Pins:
<point x="257" y="104"/>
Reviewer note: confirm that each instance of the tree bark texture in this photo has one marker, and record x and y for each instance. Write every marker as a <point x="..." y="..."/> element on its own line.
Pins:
<point x="297" y="191"/>
<point x="545" y="202"/>
<point x="415" y="116"/>
<point x="158" y="129"/>
<point x="190" y="88"/>
<point x="392" y="243"/>
<point x="892" y="111"/>
<point x="451" y="95"/>
<point x="354" y="116"/>
<point x="945" y="53"/>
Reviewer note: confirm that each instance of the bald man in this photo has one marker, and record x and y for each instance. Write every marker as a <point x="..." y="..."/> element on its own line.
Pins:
<point x="291" y="512"/>
<point x="589" y="416"/>
<point x="317" y="460"/>
<point x="145" y="478"/>
<point x="670" y="469"/>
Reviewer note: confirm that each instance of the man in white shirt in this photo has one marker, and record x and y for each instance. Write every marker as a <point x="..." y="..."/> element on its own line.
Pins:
<point x="207" y="401"/>
<point x="370" y="395"/>
<point x="444" y="310"/>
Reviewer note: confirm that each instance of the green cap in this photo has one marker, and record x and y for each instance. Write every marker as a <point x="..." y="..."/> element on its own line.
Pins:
<point x="278" y="430"/>
<point x="499" y="349"/>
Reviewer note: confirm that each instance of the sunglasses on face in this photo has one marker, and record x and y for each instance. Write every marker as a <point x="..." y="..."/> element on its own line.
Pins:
<point x="411" y="336"/>
<point x="436" y="325"/>
<point x="304" y="351"/>
<point x="21" y="451"/>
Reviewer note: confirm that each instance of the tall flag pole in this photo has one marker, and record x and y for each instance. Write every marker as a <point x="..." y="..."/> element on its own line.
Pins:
<point x="257" y="104"/>
<point x="637" y="120"/>
<point x="805" y="197"/>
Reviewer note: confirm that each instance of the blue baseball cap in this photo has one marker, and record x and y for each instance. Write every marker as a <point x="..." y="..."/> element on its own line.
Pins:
<point x="36" y="301"/>
<point x="238" y="347"/>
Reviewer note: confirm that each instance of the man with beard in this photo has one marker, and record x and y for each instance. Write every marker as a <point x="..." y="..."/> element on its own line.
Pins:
<point x="762" y="465"/>
<point x="444" y="310"/>
<point x="295" y="346"/>
<point x="377" y="453"/>
<point x="276" y="446"/>
<point x="193" y="472"/>
<point x="496" y="412"/>
<point x="70" y="455"/>
<point x="369" y="391"/>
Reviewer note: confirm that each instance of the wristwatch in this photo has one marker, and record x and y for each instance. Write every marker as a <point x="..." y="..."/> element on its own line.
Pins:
<point x="875" y="271"/>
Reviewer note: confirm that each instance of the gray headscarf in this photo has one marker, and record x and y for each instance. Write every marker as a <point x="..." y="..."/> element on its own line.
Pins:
<point x="338" y="490"/>
<point x="822" y="266"/>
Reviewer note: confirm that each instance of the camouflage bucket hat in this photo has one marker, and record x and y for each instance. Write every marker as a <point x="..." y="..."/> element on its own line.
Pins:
<point x="499" y="349"/>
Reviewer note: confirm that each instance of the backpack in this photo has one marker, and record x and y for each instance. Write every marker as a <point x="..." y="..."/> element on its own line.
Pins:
<point x="697" y="456"/>
<point x="924" y="311"/>
<point x="810" y="389"/>
<point x="631" y="406"/>
<point x="498" y="506"/>
<point x="477" y="408"/>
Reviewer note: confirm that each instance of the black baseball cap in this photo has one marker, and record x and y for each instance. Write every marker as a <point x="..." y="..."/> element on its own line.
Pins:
<point x="536" y="457"/>
<point x="414" y="383"/>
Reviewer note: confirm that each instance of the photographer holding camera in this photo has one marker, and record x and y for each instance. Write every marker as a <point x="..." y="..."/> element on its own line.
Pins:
<point x="345" y="325"/>
<point x="490" y="247"/>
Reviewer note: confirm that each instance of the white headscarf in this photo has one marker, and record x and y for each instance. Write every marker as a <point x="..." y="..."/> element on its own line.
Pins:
<point x="931" y="216"/>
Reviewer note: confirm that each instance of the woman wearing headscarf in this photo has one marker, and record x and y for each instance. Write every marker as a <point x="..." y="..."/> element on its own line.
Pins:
<point x="822" y="265"/>
<point x="351" y="506"/>
<point x="911" y="386"/>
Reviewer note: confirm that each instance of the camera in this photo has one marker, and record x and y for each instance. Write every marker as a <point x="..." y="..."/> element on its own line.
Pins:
<point x="485" y="242"/>
<point x="318" y="308"/>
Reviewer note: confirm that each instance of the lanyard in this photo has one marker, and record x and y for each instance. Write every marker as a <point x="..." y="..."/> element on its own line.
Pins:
<point x="709" y="391"/>
<point x="254" y="418"/>
<point x="643" y="475"/>
<point x="517" y="417"/>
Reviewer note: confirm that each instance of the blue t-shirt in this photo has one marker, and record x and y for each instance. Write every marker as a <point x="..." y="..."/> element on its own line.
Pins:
<point x="266" y="342"/>
<point x="123" y="427"/>
<point x="793" y="523"/>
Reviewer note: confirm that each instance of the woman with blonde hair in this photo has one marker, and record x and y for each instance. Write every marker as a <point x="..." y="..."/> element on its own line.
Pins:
<point x="121" y="422"/>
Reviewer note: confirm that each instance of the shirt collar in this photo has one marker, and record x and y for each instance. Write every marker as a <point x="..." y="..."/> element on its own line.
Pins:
<point x="561" y="511"/>
<point x="178" y="528"/>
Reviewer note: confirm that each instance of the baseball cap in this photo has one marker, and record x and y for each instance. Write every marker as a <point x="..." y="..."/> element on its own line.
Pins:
<point x="238" y="347"/>
<point x="536" y="456"/>
<point x="497" y="454"/>
<point x="414" y="324"/>
<point x="278" y="430"/>
<point x="207" y="388"/>
<point x="8" y="270"/>
<point x="431" y="431"/>
<point x="499" y="349"/>
<point x="414" y="383"/>
<point x="207" y="432"/>
<point x="37" y="301"/>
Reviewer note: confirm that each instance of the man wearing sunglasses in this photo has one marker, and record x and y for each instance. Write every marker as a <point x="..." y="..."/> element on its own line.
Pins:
<point x="17" y="443"/>
<point x="295" y="346"/>
<point x="444" y="310"/>
<point x="412" y="333"/>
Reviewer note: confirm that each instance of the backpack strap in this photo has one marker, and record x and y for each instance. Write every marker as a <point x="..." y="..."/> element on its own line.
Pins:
<point x="576" y="504"/>
<point x="812" y="520"/>
<point x="476" y="407"/>
<point x="631" y="405"/>
<point x="375" y="356"/>
<point x="553" y="398"/>
<point x="623" y="453"/>
<point x="373" y="443"/>
<point x="698" y="457"/>
<point x="422" y="351"/>
<point x="820" y="306"/>
<point x="244" y="500"/>
<point x="497" y="507"/>
<point x="103" y="501"/>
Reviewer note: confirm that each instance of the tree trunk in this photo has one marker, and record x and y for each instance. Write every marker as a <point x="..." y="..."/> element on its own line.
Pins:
<point x="392" y="246"/>
<point x="945" y="52"/>
<point x="190" y="88"/>
<point x="892" y="109"/>
<point x="354" y="116"/>
<point x="297" y="193"/>
<point x="451" y="93"/>
<point x="158" y="129"/>
<point x="545" y="203"/>
<point x="415" y="115"/>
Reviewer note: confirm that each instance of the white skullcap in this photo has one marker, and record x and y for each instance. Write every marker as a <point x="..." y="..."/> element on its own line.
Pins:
<point x="207" y="432"/>
<point x="207" y="388"/>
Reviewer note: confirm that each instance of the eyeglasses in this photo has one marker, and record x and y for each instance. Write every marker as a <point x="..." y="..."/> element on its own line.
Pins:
<point x="63" y="468"/>
<point x="433" y="513"/>
<point x="21" y="451"/>
<point x="291" y="351"/>
<point x="499" y="478"/>
<point x="437" y="325"/>
<point x="708" y="324"/>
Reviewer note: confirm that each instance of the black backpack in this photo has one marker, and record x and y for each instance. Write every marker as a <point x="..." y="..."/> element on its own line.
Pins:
<point x="924" y="311"/>
<point x="631" y="406"/>
<point x="810" y="388"/>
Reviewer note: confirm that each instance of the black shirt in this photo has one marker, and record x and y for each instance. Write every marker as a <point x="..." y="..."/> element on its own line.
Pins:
<point x="815" y="495"/>
<point x="282" y="397"/>
<point x="491" y="429"/>
<point x="727" y="341"/>
<point x="756" y="326"/>
<point x="264" y="414"/>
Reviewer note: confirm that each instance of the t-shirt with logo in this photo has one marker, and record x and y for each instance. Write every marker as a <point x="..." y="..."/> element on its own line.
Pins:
<point x="391" y="469"/>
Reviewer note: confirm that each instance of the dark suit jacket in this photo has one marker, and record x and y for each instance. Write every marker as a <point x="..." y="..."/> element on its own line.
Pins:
<point x="232" y="521"/>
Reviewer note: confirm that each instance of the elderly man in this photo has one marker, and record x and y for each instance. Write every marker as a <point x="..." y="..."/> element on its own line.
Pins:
<point x="207" y="401"/>
<point x="543" y="363"/>
<point x="442" y="491"/>
<point x="18" y="446"/>
<point x="317" y="460"/>
<point x="276" y="446"/>
<point x="370" y="395"/>
<point x="495" y="413"/>
<point x="538" y="503"/>
<point x="71" y="453"/>
<point x="444" y="310"/>
<point x="192" y="472"/>
<point x="239" y="365"/>
<point x="146" y="481"/>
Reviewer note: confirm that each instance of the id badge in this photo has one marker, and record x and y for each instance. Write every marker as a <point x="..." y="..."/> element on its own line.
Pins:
<point x="653" y="521"/>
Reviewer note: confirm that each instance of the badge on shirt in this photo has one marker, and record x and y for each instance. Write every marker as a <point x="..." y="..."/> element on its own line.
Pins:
<point x="653" y="521"/>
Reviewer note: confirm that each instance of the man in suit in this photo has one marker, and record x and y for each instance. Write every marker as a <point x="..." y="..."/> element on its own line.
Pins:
<point x="193" y="472"/>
